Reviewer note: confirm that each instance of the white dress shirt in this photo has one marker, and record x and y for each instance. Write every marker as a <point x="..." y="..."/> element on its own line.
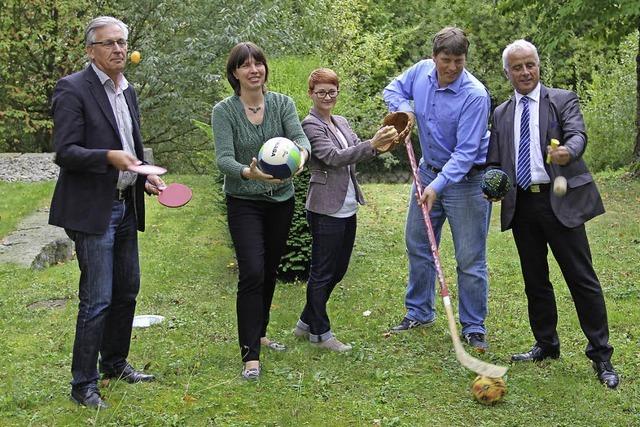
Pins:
<point x="121" y="112"/>
<point x="538" y="173"/>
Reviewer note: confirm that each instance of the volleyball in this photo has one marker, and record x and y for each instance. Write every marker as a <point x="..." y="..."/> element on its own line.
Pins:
<point x="279" y="157"/>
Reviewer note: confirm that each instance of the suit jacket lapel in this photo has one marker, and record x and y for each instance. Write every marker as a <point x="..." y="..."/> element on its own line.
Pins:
<point x="543" y="118"/>
<point x="97" y="90"/>
<point x="137" y="138"/>
<point x="334" y="138"/>
<point x="508" y="124"/>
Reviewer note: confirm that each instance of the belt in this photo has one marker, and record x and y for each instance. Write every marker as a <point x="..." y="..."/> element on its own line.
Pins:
<point x="121" y="195"/>
<point x="432" y="168"/>
<point x="536" y="188"/>
<point x="474" y="169"/>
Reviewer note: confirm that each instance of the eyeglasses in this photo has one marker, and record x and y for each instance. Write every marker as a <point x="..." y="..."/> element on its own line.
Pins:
<point x="323" y="93"/>
<point x="109" y="44"/>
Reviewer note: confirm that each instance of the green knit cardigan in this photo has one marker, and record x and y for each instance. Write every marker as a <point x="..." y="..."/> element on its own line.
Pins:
<point x="237" y="141"/>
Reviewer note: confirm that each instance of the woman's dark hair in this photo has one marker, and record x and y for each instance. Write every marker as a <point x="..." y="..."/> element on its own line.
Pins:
<point x="238" y="55"/>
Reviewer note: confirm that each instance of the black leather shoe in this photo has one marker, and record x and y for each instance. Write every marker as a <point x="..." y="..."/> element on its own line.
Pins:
<point x="129" y="375"/>
<point x="89" y="397"/>
<point x="536" y="354"/>
<point x="606" y="374"/>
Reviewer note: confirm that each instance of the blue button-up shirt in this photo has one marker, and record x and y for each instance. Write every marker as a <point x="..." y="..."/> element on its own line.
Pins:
<point x="452" y="121"/>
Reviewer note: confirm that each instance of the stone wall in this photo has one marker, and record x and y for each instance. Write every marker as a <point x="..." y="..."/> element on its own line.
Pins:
<point x="27" y="167"/>
<point x="389" y="177"/>
<point x="31" y="167"/>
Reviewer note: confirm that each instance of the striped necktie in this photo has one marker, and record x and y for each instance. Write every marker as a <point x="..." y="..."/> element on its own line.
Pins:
<point x="523" y="168"/>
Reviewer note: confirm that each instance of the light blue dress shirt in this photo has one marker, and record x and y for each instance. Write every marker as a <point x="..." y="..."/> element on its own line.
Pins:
<point x="452" y="121"/>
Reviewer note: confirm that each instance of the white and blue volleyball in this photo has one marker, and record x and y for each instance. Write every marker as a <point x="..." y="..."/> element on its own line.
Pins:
<point x="279" y="157"/>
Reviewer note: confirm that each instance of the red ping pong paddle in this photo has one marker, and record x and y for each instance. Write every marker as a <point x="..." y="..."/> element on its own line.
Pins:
<point x="175" y="195"/>
<point x="147" y="169"/>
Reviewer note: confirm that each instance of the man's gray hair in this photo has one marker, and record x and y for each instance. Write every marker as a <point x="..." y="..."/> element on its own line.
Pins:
<point x="518" y="45"/>
<point x="103" y="21"/>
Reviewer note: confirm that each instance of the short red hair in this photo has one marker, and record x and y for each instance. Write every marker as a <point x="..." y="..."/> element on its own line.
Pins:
<point x="323" y="75"/>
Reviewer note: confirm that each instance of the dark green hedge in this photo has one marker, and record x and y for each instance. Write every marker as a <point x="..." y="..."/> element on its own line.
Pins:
<point x="295" y="262"/>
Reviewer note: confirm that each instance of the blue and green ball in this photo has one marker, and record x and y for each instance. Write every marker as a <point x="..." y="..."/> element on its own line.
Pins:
<point x="495" y="184"/>
<point x="279" y="157"/>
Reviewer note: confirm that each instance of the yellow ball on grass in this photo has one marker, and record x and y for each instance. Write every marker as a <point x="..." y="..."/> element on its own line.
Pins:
<point x="488" y="391"/>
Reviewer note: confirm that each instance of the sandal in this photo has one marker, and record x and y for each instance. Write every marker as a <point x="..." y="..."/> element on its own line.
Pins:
<point x="251" y="373"/>
<point x="275" y="346"/>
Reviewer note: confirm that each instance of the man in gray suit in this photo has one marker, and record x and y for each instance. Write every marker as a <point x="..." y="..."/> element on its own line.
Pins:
<point x="522" y="129"/>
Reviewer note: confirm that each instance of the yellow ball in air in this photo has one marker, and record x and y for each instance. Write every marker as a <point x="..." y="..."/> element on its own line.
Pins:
<point x="135" y="57"/>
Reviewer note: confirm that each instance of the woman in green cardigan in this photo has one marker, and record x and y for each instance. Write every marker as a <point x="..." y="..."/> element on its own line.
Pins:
<point x="259" y="207"/>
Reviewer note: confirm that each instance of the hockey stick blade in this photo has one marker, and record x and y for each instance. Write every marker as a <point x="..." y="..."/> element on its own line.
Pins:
<point x="465" y="359"/>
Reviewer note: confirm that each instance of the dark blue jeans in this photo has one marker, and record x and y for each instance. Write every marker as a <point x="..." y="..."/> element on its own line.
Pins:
<point x="259" y="230"/>
<point x="109" y="284"/>
<point x="463" y="206"/>
<point x="333" y="240"/>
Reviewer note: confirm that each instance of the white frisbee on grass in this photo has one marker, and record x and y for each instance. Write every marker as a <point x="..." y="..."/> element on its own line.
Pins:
<point x="146" y="320"/>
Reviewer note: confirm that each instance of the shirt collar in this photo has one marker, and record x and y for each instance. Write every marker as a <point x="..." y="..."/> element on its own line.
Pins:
<point x="104" y="78"/>
<point x="454" y="86"/>
<point x="533" y="95"/>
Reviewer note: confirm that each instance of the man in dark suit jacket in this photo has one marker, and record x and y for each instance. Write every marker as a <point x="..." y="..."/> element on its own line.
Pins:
<point x="540" y="218"/>
<point x="100" y="205"/>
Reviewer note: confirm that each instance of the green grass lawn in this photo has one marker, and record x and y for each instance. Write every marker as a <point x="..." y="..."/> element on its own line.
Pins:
<point x="188" y="276"/>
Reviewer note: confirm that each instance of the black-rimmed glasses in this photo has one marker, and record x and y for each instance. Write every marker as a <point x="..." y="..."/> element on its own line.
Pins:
<point x="111" y="43"/>
<point x="323" y="93"/>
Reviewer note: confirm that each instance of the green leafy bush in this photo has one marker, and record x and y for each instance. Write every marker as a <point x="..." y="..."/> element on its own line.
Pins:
<point x="609" y="110"/>
<point x="295" y="262"/>
<point x="288" y="75"/>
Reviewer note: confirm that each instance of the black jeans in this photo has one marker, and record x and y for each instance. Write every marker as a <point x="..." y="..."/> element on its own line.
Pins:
<point x="109" y="284"/>
<point x="333" y="240"/>
<point x="259" y="231"/>
<point x="535" y="229"/>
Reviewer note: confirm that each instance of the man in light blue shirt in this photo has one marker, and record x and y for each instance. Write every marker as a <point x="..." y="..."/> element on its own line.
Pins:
<point x="451" y="108"/>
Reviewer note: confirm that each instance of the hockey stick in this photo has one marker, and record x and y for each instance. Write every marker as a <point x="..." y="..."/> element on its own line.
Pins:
<point x="465" y="359"/>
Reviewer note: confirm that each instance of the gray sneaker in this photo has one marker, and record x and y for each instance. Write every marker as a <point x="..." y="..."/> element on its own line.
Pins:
<point x="476" y="341"/>
<point x="300" y="333"/>
<point x="333" y="344"/>
<point x="407" y="324"/>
